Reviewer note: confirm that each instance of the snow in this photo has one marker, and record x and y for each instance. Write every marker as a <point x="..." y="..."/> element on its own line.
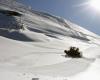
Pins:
<point x="92" y="73"/>
<point x="36" y="50"/>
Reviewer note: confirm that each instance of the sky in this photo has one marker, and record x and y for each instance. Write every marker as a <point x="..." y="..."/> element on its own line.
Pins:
<point x="76" y="11"/>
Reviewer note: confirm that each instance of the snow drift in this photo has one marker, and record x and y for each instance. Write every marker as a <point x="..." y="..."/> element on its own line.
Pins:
<point x="32" y="42"/>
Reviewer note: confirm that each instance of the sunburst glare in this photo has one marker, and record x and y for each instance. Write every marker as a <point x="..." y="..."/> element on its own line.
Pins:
<point x="95" y="4"/>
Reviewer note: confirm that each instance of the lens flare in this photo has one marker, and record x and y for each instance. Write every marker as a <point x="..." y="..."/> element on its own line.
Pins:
<point x="95" y="4"/>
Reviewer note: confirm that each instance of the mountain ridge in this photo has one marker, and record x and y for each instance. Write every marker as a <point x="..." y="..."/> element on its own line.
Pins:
<point x="41" y="22"/>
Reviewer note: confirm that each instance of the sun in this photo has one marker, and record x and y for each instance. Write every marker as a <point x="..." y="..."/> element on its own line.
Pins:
<point x="95" y="4"/>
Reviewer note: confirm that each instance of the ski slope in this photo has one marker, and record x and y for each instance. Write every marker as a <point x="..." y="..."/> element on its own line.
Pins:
<point x="32" y="46"/>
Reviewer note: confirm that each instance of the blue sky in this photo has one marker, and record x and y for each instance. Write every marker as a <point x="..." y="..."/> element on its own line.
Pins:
<point x="70" y="10"/>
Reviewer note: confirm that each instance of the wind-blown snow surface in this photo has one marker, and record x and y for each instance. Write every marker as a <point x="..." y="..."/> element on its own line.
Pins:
<point x="32" y="45"/>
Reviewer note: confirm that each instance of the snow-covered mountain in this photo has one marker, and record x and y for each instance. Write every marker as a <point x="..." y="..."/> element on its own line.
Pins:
<point x="32" y="45"/>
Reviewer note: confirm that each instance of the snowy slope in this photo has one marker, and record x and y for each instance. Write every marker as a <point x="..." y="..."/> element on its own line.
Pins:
<point x="32" y="45"/>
